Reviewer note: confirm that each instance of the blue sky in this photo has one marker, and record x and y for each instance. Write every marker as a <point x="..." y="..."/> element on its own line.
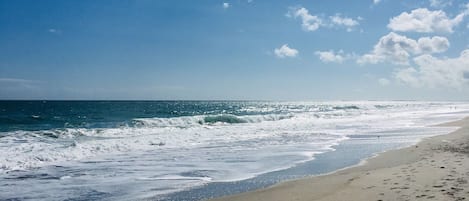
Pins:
<point x="238" y="49"/>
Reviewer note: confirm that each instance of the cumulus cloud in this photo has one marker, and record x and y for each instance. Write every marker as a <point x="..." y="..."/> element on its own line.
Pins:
<point x="423" y="20"/>
<point x="308" y="22"/>
<point x="226" y="5"/>
<point x="435" y="72"/>
<point x="344" y="21"/>
<point x="332" y="57"/>
<point x="397" y="49"/>
<point x="376" y="1"/>
<point x="434" y="44"/>
<point x="285" y="51"/>
<point x="311" y="22"/>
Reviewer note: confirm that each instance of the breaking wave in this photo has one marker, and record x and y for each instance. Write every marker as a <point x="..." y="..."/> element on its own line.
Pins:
<point x="191" y="121"/>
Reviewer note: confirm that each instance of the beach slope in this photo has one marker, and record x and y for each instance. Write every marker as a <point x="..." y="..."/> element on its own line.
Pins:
<point x="434" y="169"/>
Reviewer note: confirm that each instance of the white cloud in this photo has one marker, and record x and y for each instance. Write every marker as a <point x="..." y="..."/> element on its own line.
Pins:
<point x="384" y="82"/>
<point x="434" y="72"/>
<point x="407" y="76"/>
<point x="344" y="21"/>
<point x="397" y="49"/>
<point x="332" y="57"/>
<point x="440" y="3"/>
<point x="423" y="20"/>
<point x="226" y="5"/>
<point x="376" y="1"/>
<point x="435" y="44"/>
<point x="285" y="51"/>
<point x="309" y="22"/>
<point x="313" y="22"/>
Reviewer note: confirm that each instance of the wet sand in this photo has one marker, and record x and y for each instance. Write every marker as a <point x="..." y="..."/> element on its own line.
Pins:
<point x="437" y="168"/>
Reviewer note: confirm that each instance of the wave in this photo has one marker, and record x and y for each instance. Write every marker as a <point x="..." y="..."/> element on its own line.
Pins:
<point x="353" y="107"/>
<point x="29" y="149"/>
<point x="232" y="119"/>
<point x="24" y="149"/>
<point x="193" y="121"/>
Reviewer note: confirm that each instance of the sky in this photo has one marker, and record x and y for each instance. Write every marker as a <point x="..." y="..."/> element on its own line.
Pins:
<point x="234" y="50"/>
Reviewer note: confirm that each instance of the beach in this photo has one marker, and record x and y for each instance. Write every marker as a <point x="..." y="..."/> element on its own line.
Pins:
<point x="433" y="169"/>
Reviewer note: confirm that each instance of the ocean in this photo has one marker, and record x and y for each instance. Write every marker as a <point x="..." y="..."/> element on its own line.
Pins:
<point x="191" y="150"/>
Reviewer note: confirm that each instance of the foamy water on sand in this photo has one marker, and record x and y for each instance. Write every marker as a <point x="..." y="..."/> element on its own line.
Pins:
<point x="136" y="150"/>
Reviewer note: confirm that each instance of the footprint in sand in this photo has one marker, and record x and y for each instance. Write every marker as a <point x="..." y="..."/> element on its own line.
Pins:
<point x="456" y="189"/>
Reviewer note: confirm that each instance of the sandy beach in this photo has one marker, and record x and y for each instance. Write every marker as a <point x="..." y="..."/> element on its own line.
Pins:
<point x="434" y="169"/>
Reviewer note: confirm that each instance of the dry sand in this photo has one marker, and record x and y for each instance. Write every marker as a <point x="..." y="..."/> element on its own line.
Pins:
<point x="437" y="168"/>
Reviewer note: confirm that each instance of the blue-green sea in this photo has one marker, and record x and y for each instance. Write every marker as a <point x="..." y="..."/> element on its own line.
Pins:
<point x="191" y="150"/>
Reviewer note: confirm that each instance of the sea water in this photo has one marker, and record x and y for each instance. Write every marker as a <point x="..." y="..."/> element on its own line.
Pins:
<point x="130" y="150"/>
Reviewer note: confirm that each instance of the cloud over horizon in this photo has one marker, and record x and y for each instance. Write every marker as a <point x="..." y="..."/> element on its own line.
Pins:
<point x="434" y="72"/>
<point x="413" y="57"/>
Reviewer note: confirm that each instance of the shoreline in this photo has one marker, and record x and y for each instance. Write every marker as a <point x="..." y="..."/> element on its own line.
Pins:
<point x="432" y="169"/>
